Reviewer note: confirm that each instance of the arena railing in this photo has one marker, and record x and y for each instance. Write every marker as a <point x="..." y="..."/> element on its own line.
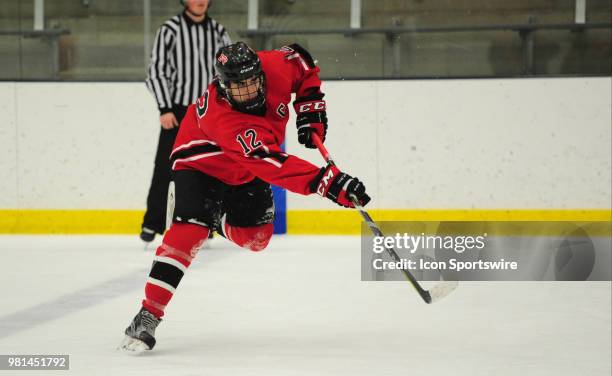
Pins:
<point x="525" y="31"/>
<point x="50" y="35"/>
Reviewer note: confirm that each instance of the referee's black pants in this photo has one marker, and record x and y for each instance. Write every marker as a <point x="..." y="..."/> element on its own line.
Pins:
<point x="155" y="216"/>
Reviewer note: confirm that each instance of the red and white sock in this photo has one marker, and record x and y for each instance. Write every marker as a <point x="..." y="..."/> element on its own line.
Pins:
<point x="172" y="258"/>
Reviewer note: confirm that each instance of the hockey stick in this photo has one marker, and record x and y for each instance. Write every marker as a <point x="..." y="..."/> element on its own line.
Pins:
<point x="432" y="295"/>
<point x="170" y="205"/>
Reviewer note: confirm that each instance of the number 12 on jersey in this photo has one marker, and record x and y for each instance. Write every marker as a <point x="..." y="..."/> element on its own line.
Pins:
<point x="251" y="136"/>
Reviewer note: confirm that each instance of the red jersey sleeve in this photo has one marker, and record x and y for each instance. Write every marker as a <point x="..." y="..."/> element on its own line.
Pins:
<point x="255" y="148"/>
<point x="305" y="72"/>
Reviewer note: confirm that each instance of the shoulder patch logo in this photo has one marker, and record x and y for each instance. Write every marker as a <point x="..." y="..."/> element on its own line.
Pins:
<point x="281" y="110"/>
<point x="202" y="105"/>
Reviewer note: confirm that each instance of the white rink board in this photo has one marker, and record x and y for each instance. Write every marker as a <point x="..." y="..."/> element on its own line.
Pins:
<point x="85" y="145"/>
<point x="512" y="143"/>
<point x="8" y="145"/>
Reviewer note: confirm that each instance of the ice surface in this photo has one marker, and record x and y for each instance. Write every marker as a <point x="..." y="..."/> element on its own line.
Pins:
<point x="297" y="308"/>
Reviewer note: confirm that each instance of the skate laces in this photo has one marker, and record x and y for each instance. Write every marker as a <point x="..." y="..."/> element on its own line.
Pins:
<point x="148" y="321"/>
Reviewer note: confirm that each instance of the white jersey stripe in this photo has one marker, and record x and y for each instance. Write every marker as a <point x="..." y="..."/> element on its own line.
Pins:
<point x="195" y="157"/>
<point x="190" y="144"/>
<point x="272" y="161"/>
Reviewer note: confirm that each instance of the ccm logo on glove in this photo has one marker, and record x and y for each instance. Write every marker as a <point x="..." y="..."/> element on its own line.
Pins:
<point x="325" y="179"/>
<point x="339" y="187"/>
<point x="312" y="106"/>
<point x="311" y="118"/>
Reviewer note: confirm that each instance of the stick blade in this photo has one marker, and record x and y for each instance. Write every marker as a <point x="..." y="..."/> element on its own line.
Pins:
<point x="441" y="290"/>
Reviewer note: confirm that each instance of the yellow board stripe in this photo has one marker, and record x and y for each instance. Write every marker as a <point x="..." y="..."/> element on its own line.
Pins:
<point x="348" y="221"/>
<point x="70" y="221"/>
<point x="13" y="221"/>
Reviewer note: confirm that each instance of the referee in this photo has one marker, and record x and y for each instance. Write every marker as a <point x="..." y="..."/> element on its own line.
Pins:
<point x="182" y="66"/>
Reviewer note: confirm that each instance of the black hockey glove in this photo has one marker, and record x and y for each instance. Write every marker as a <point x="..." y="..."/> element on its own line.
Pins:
<point x="338" y="187"/>
<point x="311" y="117"/>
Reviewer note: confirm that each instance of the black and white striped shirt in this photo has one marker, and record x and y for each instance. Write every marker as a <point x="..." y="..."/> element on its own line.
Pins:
<point x="182" y="60"/>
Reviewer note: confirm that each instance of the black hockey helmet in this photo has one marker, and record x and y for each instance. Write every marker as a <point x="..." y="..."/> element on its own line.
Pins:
<point x="238" y="63"/>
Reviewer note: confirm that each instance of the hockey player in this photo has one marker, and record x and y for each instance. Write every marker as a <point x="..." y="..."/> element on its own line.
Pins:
<point x="226" y="155"/>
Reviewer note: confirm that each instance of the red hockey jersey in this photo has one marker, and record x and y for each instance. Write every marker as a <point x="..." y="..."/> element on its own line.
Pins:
<point x="235" y="147"/>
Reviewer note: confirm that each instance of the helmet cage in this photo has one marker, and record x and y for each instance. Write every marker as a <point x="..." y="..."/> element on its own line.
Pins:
<point x="249" y="98"/>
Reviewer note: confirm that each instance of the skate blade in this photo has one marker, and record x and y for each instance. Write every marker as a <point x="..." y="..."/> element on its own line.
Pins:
<point x="132" y="346"/>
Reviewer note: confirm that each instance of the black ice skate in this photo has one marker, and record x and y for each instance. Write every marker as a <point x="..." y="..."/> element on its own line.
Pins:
<point x="140" y="335"/>
<point x="147" y="235"/>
